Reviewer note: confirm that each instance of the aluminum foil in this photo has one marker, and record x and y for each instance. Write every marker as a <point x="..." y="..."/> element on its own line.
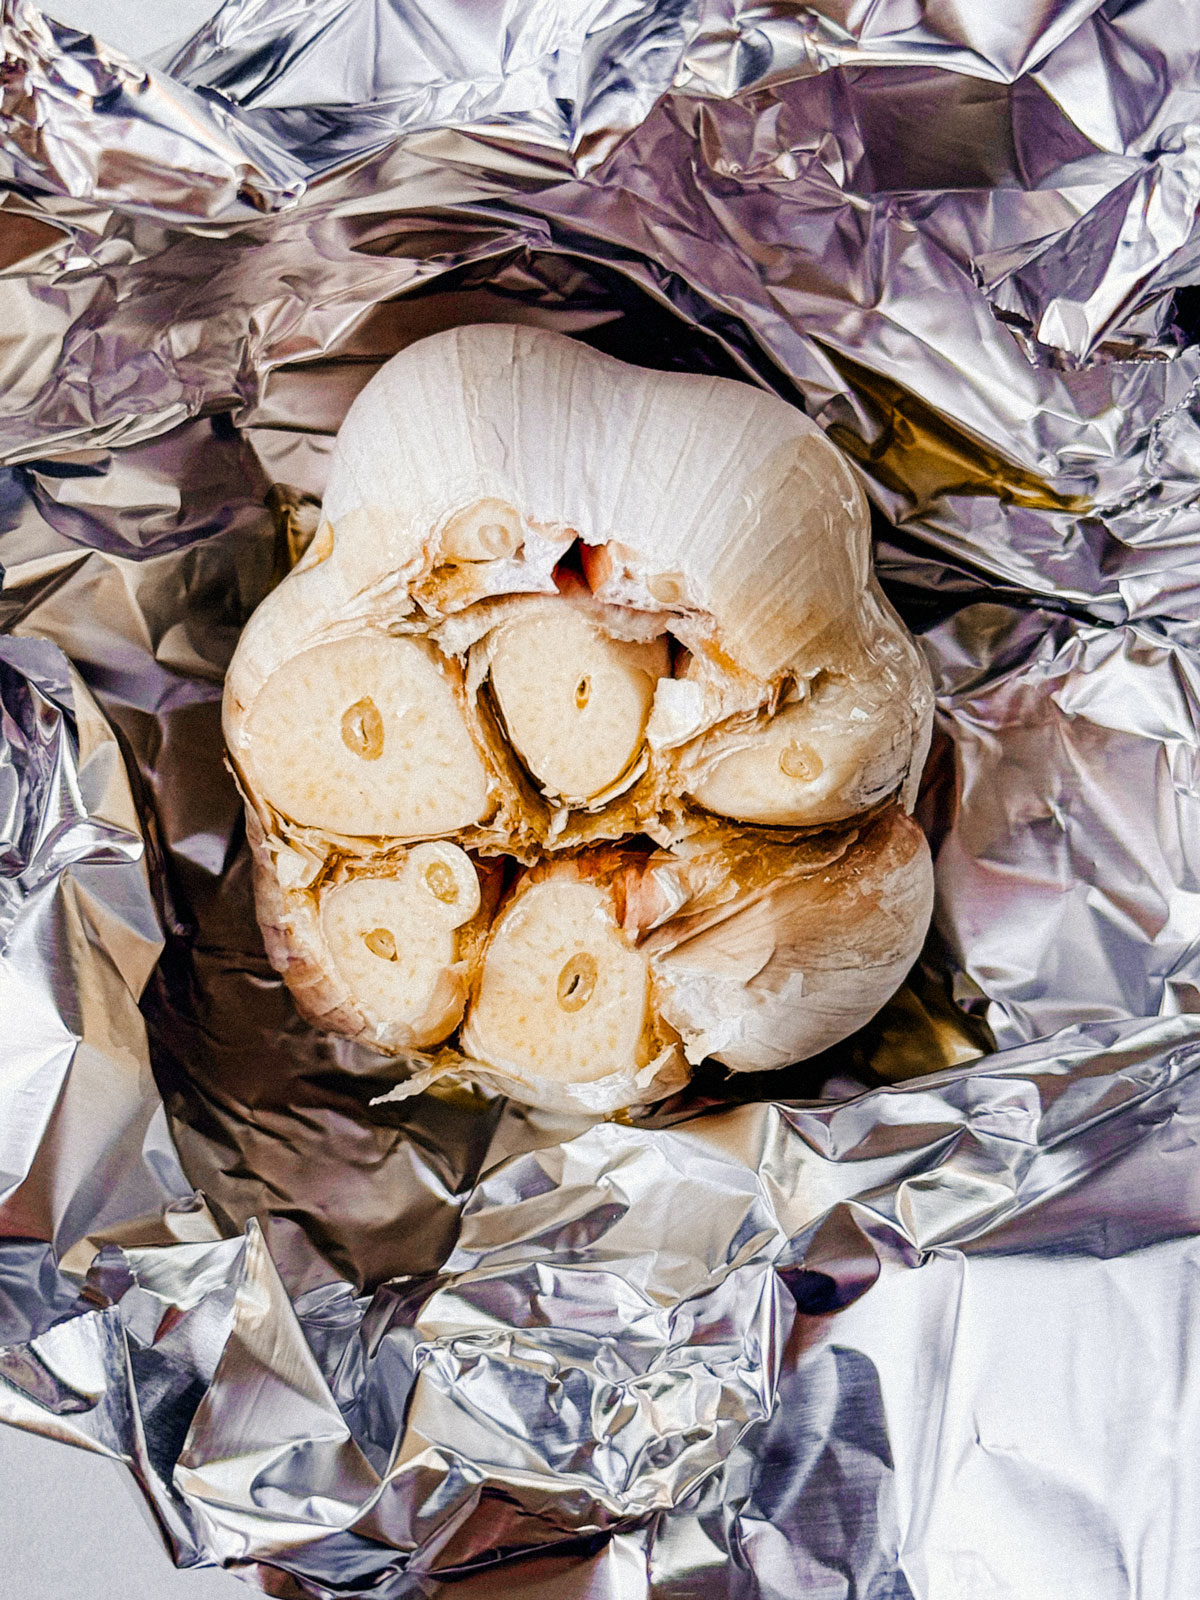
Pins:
<point x="813" y="1332"/>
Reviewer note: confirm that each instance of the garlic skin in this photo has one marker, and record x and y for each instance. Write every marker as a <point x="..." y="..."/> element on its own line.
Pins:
<point x="786" y="970"/>
<point x="615" y="632"/>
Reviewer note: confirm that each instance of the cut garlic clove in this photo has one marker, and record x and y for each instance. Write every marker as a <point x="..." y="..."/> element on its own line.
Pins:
<point x="393" y="942"/>
<point x="562" y="995"/>
<point x="489" y="530"/>
<point x="834" y="754"/>
<point x="444" y="882"/>
<point x="365" y="736"/>
<point x="574" y="702"/>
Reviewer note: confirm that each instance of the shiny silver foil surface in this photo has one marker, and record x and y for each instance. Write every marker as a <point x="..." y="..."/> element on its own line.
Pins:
<point x="911" y="1322"/>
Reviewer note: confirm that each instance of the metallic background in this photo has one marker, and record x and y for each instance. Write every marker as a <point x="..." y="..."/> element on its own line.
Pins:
<point x="911" y="1321"/>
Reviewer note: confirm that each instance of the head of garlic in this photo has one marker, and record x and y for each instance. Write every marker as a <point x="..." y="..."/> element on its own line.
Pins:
<point x="580" y="743"/>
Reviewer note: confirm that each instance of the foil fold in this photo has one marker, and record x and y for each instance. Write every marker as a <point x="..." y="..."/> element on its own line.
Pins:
<point x="670" y="1354"/>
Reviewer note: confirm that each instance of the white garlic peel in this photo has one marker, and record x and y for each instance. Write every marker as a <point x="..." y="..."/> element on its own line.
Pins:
<point x="431" y="689"/>
<point x="792" y="969"/>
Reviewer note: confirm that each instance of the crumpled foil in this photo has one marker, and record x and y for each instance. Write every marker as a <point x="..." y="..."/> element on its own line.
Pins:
<point x="911" y="1322"/>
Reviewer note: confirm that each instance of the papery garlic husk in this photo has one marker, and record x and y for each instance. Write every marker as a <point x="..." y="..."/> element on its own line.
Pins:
<point x="788" y="966"/>
<point x="555" y="603"/>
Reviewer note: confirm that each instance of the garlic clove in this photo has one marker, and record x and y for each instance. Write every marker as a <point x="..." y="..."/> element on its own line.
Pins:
<point x="489" y="530"/>
<point x="392" y="940"/>
<point x="837" y="752"/>
<point x="445" y="882"/>
<point x="792" y="967"/>
<point x="574" y="702"/>
<point x="563" y="994"/>
<point x="365" y="736"/>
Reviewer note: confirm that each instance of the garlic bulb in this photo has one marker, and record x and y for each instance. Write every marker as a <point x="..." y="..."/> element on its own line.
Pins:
<point x="579" y="744"/>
